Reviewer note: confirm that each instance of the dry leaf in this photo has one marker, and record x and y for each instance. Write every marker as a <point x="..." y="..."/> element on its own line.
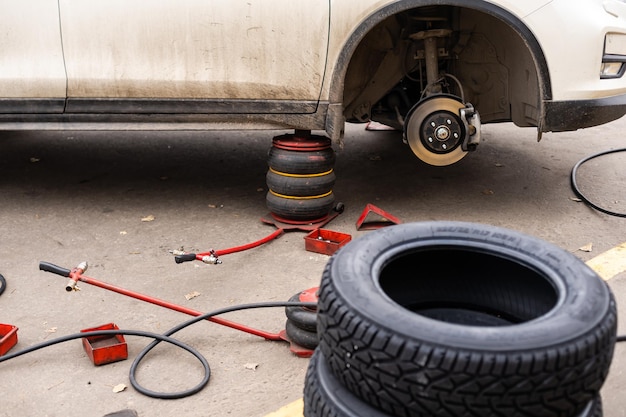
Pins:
<point x="251" y="366"/>
<point x="586" y="248"/>
<point x="50" y="331"/>
<point x="119" y="388"/>
<point x="149" y="218"/>
<point x="191" y="295"/>
<point x="487" y="192"/>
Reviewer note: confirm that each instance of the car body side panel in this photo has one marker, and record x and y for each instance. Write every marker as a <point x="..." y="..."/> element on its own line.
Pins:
<point x="284" y="64"/>
<point x="32" y="56"/>
<point x="576" y="75"/>
<point x="195" y="49"/>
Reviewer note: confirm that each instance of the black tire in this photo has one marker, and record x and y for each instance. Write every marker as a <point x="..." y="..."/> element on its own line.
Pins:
<point x="301" y="162"/>
<point x="453" y="318"/>
<point x="304" y="338"/>
<point x="593" y="409"/>
<point x="3" y="284"/>
<point x="324" y="396"/>
<point x="300" y="209"/>
<point x="300" y="185"/>
<point x="301" y="317"/>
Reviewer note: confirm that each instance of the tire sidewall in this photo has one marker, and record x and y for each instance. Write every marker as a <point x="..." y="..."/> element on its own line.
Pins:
<point x="583" y="299"/>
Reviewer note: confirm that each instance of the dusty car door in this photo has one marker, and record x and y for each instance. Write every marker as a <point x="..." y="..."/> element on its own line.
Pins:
<point x="32" y="76"/>
<point x="193" y="56"/>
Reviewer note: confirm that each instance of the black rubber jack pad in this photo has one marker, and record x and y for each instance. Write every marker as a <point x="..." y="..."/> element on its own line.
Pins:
<point x="306" y="227"/>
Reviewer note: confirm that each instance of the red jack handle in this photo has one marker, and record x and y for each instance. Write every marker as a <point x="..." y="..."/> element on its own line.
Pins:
<point x="76" y="274"/>
<point x="73" y="274"/>
<point x="212" y="256"/>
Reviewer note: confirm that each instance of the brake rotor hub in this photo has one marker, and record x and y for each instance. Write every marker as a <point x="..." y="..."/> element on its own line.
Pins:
<point x="441" y="129"/>
<point x="441" y="132"/>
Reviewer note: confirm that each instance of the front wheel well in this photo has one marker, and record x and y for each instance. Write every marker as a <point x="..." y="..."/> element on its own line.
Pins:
<point x="486" y="55"/>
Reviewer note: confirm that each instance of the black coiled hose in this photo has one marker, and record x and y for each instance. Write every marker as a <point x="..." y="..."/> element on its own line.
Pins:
<point x="577" y="191"/>
<point x="158" y="339"/>
<point x="3" y="284"/>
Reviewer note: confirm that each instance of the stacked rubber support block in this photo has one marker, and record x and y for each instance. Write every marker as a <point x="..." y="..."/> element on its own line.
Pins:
<point x="300" y="178"/>
<point x="301" y="324"/>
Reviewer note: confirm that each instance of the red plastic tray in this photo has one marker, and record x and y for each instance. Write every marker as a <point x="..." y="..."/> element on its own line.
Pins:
<point x="105" y="349"/>
<point x="8" y="337"/>
<point x="325" y="241"/>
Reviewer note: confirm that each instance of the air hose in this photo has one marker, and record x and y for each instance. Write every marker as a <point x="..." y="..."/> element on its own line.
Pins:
<point x="3" y="284"/>
<point x="577" y="191"/>
<point x="165" y="337"/>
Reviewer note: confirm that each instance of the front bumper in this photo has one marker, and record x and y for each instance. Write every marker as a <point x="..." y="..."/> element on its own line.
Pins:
<point x="562" y="116"/>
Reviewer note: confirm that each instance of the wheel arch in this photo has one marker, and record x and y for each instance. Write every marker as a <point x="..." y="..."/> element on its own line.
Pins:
<point x="340" y="70"/>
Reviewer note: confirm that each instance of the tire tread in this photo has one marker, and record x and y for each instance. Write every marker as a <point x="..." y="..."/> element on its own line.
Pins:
<point x="413" y="378"/>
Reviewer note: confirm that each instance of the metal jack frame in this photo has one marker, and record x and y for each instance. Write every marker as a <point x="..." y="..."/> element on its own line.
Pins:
<point x="76" y="274"/>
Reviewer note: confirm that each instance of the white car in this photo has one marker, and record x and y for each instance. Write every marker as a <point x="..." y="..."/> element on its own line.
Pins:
<point x="434" y="69"/>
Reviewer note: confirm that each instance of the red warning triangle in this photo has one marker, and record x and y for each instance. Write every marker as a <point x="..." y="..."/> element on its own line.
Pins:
<point x="375" y="218"/>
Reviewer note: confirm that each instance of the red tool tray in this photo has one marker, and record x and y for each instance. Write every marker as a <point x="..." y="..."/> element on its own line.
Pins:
<point x="325" y="241"/>
<point x="105" y="349"/>
<point x="8" y="337"/>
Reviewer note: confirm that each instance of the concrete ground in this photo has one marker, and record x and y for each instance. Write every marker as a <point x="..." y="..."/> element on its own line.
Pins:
<point x="122" y="200"/>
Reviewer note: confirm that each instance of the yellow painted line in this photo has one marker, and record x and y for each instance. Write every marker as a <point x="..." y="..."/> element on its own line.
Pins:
<point x="295" y="409"/>
<point x="609" y="263"/>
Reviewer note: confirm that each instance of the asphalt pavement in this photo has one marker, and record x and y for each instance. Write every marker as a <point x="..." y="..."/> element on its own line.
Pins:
<point x="121" y="201"/>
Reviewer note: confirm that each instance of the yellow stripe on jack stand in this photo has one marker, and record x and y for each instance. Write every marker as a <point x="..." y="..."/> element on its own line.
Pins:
<point x="609" y="263"/>
<point x="295" y="409"/>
